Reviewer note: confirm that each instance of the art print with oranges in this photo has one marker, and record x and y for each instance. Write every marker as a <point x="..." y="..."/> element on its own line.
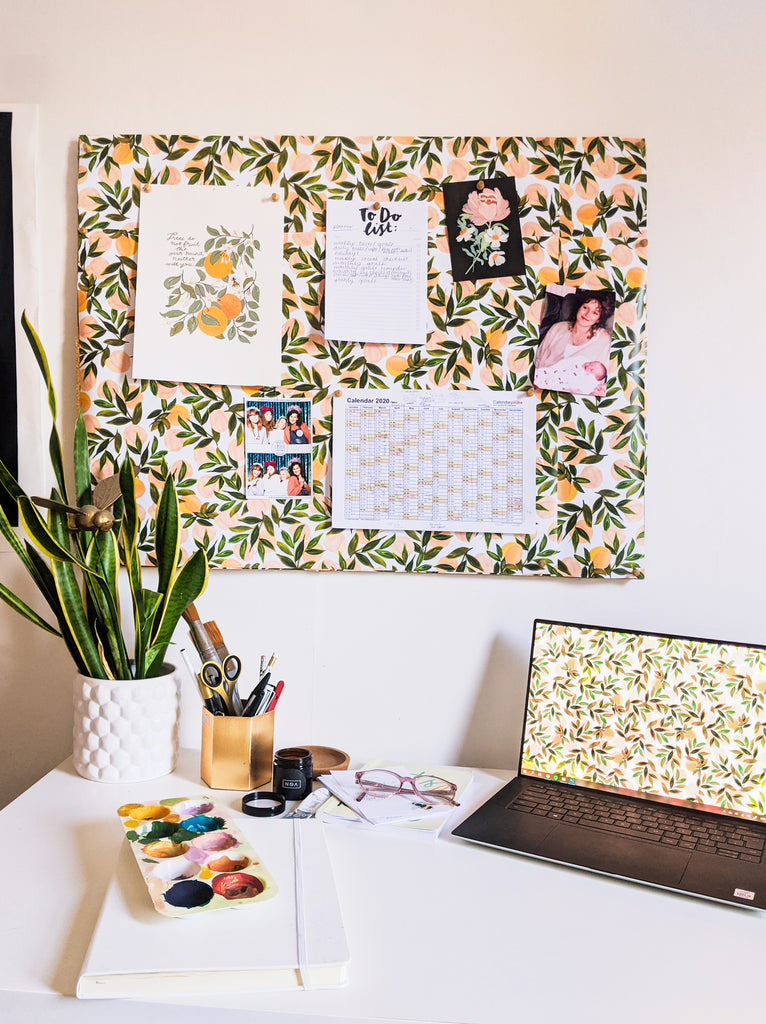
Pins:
<point x="217" y="295"/>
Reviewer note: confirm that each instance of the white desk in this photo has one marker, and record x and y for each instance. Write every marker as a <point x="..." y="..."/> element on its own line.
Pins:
<point x="438" y="931"/>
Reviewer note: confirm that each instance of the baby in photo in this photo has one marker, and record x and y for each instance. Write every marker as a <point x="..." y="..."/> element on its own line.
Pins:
<point x="577" y="378"/>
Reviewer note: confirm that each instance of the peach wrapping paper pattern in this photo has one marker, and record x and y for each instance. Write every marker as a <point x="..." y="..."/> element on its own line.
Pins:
<point x="583" y="216"/>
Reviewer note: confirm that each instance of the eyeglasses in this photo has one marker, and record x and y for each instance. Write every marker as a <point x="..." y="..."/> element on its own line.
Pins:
<point x="378" y="782"/>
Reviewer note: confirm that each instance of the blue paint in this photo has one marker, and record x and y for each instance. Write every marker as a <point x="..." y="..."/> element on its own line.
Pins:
<point x="189" y="894"/>
<point x="202" y="823"/>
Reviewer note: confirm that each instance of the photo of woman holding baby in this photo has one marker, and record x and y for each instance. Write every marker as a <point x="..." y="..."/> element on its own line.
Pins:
<point x="573" y="354"/>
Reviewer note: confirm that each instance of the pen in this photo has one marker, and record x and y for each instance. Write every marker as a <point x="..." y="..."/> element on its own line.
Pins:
<point x="268" y="695"/>
<point x="254" y="700"/>
<point x="277" y="694"/>
<point x="269" y="665"/>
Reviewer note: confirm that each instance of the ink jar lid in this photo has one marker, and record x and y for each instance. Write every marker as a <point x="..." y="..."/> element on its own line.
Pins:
<point x="293" y="757"/>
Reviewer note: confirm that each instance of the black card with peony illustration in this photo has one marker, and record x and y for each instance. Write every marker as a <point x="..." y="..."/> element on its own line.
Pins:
<point x="483" y="228"/>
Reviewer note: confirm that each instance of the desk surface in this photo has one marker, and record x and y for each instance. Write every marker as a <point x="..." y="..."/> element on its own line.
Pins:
<point x="439" y="931"/>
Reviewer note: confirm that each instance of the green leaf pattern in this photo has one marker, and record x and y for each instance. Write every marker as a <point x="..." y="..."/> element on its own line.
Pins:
<point x="582" y="204"/>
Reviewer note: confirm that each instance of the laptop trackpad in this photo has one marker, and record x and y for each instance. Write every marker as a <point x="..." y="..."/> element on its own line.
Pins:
<point x="615" y="855"/>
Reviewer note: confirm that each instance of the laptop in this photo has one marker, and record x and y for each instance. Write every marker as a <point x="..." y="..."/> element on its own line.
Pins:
<point x="643" y="756"/>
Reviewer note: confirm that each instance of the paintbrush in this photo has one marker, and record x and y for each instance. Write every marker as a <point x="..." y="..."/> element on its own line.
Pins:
<point x="200" y="637"/>
<point x="216" y="638"/>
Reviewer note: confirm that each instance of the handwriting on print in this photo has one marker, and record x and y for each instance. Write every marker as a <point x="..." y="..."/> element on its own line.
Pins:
<point x="182" y="250"/>
<point x="379" y="222"/>
<point x="353" y="262"/>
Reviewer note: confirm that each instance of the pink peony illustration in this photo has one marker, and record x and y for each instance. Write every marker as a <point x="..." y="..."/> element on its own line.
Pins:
<point x="486" y="206"/>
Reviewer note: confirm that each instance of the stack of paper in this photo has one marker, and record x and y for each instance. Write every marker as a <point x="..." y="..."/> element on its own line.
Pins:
<point x="404" y="810"/>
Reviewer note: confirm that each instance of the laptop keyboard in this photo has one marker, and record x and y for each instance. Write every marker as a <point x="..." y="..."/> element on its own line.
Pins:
<point x="652" y="822"/>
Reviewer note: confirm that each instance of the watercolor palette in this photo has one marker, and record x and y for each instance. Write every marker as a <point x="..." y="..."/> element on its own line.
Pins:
<point x="192" y="857"/>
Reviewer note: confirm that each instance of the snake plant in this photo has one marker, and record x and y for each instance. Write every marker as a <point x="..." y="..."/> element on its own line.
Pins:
<point x="77" y="572"/>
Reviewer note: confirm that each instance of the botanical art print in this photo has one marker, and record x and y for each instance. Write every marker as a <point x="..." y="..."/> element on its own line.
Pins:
<point x="483" y="227"/>
<point x="177" y="404"/>
<point x="209" y="286"/>
<point x="481" y="232"/>
<point x="217" y="294"/>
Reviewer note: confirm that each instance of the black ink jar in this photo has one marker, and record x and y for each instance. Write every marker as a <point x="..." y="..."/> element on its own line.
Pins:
<point x="293" y="769"/>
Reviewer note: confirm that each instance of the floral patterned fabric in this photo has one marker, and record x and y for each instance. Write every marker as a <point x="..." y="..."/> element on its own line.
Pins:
<point x="582" y="205"/>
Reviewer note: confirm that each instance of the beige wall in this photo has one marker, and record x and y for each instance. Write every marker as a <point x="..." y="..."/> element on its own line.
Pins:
<point x="433" y="667"/>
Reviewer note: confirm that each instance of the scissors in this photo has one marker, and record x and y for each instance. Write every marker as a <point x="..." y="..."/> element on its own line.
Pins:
<point x="221" y="678"/>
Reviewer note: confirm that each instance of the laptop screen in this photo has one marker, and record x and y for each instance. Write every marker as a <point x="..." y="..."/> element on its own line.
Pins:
<point x="670" y="718"/>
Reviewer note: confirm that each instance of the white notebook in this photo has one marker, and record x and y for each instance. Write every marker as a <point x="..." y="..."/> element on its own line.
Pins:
<point x="294" y="940"/>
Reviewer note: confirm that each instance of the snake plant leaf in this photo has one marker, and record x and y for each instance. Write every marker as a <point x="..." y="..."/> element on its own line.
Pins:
<point x="34" y="565"/>
<point x="129" y="535"/>
<point x="9" y="482"/>
<point x="43" y="577"/>
<point x="73" y="604"/>
<point x="42" y="537"/>
<point x="103" y="558"/>
<point x="188" y="584"/>
<point x="152" y="602"/>
<point x="9" y="534"/>
<point x="23" y="609"/>
<point x="81" y="461"/>
<point x="47" y="585"/>
<point x="166" y="527"/>
<point x="54" y="444"/>
<point x="76" y="618"/>
<point x="102" y="586"/>
<point x="130" y="514"/>
<point x="77" y="573"/>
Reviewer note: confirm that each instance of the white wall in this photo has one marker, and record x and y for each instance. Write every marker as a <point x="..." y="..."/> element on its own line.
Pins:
<point x="433" y="667"/>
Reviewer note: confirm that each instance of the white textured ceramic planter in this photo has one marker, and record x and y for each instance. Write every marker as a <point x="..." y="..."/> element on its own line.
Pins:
<point x="126" y="730"/>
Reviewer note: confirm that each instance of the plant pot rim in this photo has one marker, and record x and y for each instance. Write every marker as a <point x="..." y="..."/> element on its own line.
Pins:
<point x="168" y="669"/>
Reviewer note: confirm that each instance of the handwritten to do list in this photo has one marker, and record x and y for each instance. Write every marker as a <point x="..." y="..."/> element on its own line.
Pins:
<point x="376" y="272"/>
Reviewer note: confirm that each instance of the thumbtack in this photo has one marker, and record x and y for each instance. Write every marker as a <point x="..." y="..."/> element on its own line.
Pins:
<point x="480" y="185"/>
<point x="376" y="206"/>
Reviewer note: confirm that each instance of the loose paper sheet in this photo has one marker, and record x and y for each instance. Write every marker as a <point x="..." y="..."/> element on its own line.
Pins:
<point x="413" y="460"/>
<point x="376" y="270"/>
<point x="209" y="285"/>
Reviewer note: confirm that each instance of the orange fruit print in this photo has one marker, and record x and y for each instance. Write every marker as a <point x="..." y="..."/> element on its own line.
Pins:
<point x="212" y="321"/>
<point x="218" y="264"/>
<point x="230" y="304"/>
